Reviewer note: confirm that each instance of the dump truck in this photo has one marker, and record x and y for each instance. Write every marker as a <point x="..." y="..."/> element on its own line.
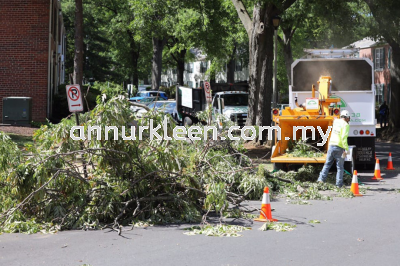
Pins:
<point x="228" y="99"/>
<point x="320" y="89"/>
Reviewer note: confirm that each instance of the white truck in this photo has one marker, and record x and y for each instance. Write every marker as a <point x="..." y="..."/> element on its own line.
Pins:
<point x="230" y="100"/>
<point x="353" y="84"/>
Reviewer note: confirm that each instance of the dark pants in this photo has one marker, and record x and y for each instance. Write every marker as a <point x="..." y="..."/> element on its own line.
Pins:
<point x="383" y="120"/>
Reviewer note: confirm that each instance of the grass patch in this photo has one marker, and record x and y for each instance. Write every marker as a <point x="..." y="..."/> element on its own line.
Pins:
<point x="21" y="140"/>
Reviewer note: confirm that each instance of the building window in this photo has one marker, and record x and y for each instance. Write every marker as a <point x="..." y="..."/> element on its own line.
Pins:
<point x="203" y="67"/>
<point x="379" y="58"/>
<point x="379" y="93"/>
<point x="224" y="68"/>
<point x="190" y="84"/>
<point x="189" y="67"/>
<point x="238" y="65"/>
<point x="174" y="71"/>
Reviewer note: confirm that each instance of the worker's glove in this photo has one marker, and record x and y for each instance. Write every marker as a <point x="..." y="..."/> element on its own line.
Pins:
<point x="344" y="154"/>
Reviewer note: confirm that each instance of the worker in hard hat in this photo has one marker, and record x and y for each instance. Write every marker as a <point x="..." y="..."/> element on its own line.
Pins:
<point x="338" y="148"/>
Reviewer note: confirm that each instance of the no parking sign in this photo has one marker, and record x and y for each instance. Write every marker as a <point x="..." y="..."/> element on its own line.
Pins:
<point x="207" y="91"/>
<point x="74" y="97"/>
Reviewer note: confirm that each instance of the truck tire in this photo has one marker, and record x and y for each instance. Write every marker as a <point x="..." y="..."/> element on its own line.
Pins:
<point x="187" y="121"/>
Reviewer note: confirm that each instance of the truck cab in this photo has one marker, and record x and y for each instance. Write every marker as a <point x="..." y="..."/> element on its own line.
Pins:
<point x="227" y="99"/>
<point x="233" y="105"/>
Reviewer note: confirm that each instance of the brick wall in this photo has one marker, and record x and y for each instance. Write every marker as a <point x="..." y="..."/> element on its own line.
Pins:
<point x="24" y="42"/>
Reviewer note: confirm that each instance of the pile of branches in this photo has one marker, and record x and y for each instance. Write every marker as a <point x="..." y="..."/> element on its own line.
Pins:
<point x="303" y="148"/>
<point x="91" y="183"/>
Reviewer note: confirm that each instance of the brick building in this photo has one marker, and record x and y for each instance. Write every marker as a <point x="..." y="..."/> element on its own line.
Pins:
<point x="32" y="52"/>
<point x="380" y="54"/>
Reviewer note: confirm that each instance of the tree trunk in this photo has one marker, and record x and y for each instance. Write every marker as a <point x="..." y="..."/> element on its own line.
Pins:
<point x="287" y="51"/>
<point x="394" y="118"/>
<point x="212" y="73"/>
<point x="181" y="66"/>
<point x="230" y="67"/>
<point x="158" y="46"/>
<point x="78" y="57"/>
<point x="261" y="32"/>
<point x="230" y="71"/>
<point x="260" y="68"/>
<point x="135" y="53"/>
<point x="135" y="74"/>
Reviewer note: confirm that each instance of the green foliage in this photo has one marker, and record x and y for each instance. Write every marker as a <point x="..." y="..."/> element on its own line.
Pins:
<point x="300" y="148"/>
<point x="278" y="227"/>
<point x="107" y="90"/>
<point x="39" y="124"/>
<point x="21" y="141"/>
<point x="219" y="230"/>
<point x="171" y="91"/>
<point x="153" y="180"/>
<point x="304" y="186"/>
<point x="60" y="101"/>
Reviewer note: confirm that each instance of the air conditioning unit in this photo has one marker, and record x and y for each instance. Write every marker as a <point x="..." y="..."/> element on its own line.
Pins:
<point x="17" y="110"/>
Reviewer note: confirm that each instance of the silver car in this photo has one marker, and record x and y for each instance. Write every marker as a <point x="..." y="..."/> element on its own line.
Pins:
<point x="163" y="106"/>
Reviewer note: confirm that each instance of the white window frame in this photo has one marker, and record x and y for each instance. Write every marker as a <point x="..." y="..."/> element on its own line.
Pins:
<point x="379" y="58"/>
<point x="189" y="67"/>
<point x="203" y="67"/>
<point x="238" y="65"/>
<point x="379" y="93"/>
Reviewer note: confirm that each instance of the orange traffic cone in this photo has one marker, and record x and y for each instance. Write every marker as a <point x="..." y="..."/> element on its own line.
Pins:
<point x="377" y="174"/>
<point x="265" y="214"/>
<point x="354" y="185"/>
<point x="390" y="163"/>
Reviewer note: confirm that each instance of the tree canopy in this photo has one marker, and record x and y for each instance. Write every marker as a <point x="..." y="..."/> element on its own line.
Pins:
<point x="132" y="40"/>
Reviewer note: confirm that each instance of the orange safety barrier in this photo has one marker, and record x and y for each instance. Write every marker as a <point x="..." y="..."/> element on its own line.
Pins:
<point x="265" y="213"/>
<point x="354" y="185"/>
<point x="377" y="174"/>
<point x="390" y="163"/>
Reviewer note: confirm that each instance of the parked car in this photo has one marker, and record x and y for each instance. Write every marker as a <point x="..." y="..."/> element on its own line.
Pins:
<point x="141" y="100"/>
<point x="157" y="106"/>
<point x="169" y="107"/>
<point x="144" y="94"/>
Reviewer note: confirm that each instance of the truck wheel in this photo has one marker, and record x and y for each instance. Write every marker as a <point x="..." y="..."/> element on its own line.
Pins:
<point x="187" y="121"/>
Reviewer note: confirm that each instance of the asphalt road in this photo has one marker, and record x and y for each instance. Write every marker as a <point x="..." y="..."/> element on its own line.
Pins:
<point x="358" y="231"/>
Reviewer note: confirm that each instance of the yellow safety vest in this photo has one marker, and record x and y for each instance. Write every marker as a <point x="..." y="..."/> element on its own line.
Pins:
<point x="340" y="132"/>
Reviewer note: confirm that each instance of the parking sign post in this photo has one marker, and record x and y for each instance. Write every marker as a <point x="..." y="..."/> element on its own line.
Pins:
<point x="75" y="105"/>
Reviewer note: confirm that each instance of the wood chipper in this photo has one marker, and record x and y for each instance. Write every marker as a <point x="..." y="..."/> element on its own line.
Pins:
<point x="310" y="120"/>
<point x="342" y="84"/>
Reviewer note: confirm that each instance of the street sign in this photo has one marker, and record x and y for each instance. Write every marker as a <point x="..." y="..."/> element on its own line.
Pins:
<point x="207" y="91"/>
<point x="74" y="97"/>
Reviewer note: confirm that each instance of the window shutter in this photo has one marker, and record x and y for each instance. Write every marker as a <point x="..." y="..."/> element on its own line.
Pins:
<point x="384" y="58"/>
<point x="374" y="57"/>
